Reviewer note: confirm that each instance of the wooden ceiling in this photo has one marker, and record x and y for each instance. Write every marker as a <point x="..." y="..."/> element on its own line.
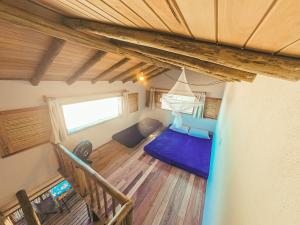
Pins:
<point x="271" y="26"/>
<point x="267" y="25"/>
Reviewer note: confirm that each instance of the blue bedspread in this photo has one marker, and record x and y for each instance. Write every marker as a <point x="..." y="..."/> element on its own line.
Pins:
<point x="181" y="150"/>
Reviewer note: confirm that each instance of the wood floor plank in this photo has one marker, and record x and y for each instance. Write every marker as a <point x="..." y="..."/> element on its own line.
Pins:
<point x="162" y="194"/>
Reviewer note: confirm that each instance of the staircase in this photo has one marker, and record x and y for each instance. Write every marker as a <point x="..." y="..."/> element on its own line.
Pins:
<point x="107" y="205"/>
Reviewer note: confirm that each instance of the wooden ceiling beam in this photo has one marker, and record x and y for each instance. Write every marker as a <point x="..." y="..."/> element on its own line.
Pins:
<point x="54" y="49"/>
<point x="207" y="68"/>
<point x="110" y="69"/>
<point x="145" y="71"/>
<point x="25" y="19"/>
<point x="248" y="60"/>
<point x="129" y="71"/>
<point x="87" y="65"/>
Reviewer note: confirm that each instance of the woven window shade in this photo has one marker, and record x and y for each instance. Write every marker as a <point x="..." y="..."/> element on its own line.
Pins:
<point x="212" y="107"/>
<point x="133" y="100"/>
<point x="22" y="129"/>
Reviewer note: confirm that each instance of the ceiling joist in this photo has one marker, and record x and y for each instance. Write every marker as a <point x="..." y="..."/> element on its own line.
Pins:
<point x="53" y="50"/>
<point x="87" y="65"/>
<point x="110" y="69"/>
<point x="144" y="71"/>
<point x="129" y="71"/>
<point x="246" y="60"/>
<point x="156" y="73"/>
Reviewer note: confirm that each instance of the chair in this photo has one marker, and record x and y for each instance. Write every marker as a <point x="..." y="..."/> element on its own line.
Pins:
<point x="45" y="207"/>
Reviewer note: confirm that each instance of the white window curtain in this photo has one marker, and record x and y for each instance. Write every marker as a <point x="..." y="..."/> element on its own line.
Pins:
<point x="125" y="104"/>
<point x="199" y="107"/>
<point x="57" y="121"/>
<point x="152" y="99"/>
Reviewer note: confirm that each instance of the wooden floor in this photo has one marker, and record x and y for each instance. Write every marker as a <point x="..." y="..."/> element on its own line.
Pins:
<point x="78" y="214"/>
<point x="162" y="194"/>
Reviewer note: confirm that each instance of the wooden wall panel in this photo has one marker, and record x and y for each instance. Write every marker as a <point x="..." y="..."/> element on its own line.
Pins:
<point x="212" y="107"/>
<point x="237" y="19"/>
<point x="200" y="18"/>
<point x="280" y="28"/>
<point x="21" y="129"/>
<point x="133" y="101"/>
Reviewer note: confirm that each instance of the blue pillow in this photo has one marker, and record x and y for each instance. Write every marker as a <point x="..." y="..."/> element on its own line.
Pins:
<point x="182" y="129"/>
<point x="199" y="133"/>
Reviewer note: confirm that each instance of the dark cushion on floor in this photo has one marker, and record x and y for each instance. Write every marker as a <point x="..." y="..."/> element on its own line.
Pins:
<point x="133" y="135"/>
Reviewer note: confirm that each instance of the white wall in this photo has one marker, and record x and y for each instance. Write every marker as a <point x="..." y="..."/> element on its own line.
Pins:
<point x="164" y="82"/>
<point x="32" y="168"/>
<point x="255" y="170"/>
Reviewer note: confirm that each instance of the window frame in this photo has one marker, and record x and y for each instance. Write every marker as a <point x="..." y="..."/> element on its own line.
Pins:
<point x="68" y="101"/>
<point x="161" y="105"/>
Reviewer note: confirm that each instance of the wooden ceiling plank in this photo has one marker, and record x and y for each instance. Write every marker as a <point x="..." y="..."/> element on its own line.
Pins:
<point x="112" y="12"/>
<point x="100" y="12"/>
<point x="110" y="69"/>
<point x="130" y="70"/>
<point x="237" y="19"/>
<point x="47" y="59"/>
<point x="87" y="65"/>
<point x="128" y="13"/>
<point x="145" y="71"/>
<point x="199" y="17"/>
<point x="246" y="60"/>
<point x="280" y="28"/>
<point x="140" y="8"/>
<point x="292" y="49"/>
<point x="22" y="18"/>
<point x="167" y="14"/>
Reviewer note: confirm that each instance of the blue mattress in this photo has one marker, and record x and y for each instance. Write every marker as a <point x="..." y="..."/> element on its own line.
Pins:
<point x="181" y="150"/>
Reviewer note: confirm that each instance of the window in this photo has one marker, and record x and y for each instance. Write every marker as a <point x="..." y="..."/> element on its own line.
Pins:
<point x="183" y="103"/>
<point x="85" y="114"/>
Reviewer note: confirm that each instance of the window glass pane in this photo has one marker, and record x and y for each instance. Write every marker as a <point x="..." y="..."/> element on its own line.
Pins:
<point x="181" y="103"/>
<point x="84" y="114"/>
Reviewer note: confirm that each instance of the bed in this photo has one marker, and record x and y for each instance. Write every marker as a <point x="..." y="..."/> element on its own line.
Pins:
<point x="181" y="150"/>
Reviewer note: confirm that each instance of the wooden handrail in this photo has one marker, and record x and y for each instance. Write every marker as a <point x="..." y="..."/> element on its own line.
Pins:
<point x="88" y="183"/>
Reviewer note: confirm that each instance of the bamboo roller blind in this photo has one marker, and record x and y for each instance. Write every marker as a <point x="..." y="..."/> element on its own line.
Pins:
<point x="133" y="101"/>
<point x="21" y="129"/>
<point x="212" y="107"/>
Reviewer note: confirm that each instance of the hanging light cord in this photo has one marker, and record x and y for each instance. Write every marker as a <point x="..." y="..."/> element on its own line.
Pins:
<point x="199" y="85"/>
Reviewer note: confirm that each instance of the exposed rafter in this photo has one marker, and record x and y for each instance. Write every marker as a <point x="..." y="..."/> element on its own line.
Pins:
<point x="156" y="73"/>
<point x="23" y="18"/>
<point x="247" y="60"/>
<point x="110" y="69"/>
<point x="53" y="50"/>
<point x="145" y="71"/>
<point x="87" y="65"/>
<point x="129" y="71"/>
